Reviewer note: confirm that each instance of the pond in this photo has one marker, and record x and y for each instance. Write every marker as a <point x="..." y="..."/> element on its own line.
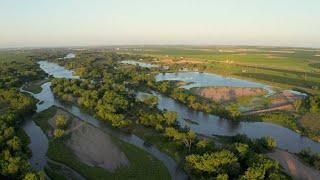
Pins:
<point x="70" y="56"/>
<point x="56" y="71"/>
<point x="198" y="79"/>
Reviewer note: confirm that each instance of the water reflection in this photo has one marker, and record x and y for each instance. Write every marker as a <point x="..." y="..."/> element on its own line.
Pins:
<point x="197" y="79"/>
<point x="213" y="125"/>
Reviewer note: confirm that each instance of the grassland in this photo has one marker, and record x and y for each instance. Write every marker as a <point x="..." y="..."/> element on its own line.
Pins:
<point x="34" y="86"/>
<point x="142" y="164"/>
<point x="281" y="67"/>
<point x="161" y="142"/>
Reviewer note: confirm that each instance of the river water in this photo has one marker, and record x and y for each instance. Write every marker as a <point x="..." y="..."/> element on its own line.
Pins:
<point x="197" y="79"/>
<point x="47" y="100"/>
<point x="206" y="124"/>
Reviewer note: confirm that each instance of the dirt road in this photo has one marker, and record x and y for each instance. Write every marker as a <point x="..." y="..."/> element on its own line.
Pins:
<point x="281" y="107"/>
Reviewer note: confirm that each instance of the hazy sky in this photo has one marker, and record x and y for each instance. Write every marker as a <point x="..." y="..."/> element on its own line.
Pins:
<point x="112" y="22"/>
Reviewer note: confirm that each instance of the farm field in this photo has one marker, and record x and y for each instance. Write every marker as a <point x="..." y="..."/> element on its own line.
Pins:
<point x="283" y="67"/>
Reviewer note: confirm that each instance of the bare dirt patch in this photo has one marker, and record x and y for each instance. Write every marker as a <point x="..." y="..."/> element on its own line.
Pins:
<point x="294" y="166"/>
<point x="283" y="98"/>
<point x="91" y="145"/>
<point x="227" y="93"/>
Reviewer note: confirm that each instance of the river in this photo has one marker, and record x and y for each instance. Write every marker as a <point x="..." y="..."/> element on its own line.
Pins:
<point x="47" y="100"/>
<point x="209" y="125"/>
<point x="206" y="124"/>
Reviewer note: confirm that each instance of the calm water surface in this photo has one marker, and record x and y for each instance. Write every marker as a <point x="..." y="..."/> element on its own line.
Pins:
<point x="39" y="148"/>
<point x="197" y="79"/>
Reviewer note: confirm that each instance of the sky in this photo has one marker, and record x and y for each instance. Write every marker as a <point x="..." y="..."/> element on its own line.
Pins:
<point x="51" y="23"/>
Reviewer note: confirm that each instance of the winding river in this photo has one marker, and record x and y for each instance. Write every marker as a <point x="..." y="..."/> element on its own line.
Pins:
<point x="206" y="124"/>
<point x="209" y="125"/>
<point x="47" y="100"/>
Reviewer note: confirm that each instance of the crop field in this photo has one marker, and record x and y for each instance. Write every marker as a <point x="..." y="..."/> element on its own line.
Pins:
<point x="283" y="67"/>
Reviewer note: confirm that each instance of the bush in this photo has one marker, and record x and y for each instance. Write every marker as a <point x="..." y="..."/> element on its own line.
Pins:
<point x="58" y="133"/>
<point x="61" y="121"/>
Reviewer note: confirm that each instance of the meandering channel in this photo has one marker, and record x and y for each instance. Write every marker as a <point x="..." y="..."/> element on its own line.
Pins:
<point x="206" y="124"/>
<point x="47" y="100"/>
<point x="209" y="125"/>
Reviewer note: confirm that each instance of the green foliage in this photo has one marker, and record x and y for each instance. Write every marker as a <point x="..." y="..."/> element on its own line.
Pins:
<point x="14" y="74"/>
<point x="282" y="118"/>
<point x="170" y="117"/>
<point x="242" y="149"/>
<point x="150" y="100"/>
<point x="204" y="145"/>
<point x="261" y="167"/>
<point x="13" y="153"/>
<point x="61" y="121"/>
<point x="107" y="103"/>
<point x="310" y="158"/>
<point x="211" y="163"/>
<point x="58" y="133"/>
<point x="194" y="102"/>
<point x="35" y="176"/>
<point x="187" y="138"/>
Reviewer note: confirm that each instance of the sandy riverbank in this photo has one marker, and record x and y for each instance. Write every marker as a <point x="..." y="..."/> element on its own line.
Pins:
<point x="294" y="166"/>
<point x="92" y="146"/>
<point x="220" y="94"/>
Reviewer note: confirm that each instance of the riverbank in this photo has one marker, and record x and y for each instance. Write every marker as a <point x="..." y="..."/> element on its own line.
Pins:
<point x="294" y="166"/>
<point x="142" y="165"/>
<point x="34" y="86"/>
<point x="200" y="124"/>
<point x="223" y="94"/>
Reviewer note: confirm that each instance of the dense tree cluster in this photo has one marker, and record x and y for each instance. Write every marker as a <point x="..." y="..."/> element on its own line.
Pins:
<point x="107" y="90"/>
<point x="310" y="104"/>
<point x="107" y="102"/>
<point x="192" y="101"/>
<point x="14" y="74"/>
<point x="61" y="123"/>
<point x="242" y="158"/>
<point x="14" y="153"/>
<point x="312" y="159"/>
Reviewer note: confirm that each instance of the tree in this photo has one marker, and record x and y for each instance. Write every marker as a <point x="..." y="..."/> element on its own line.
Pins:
<point x="61" y="121"/>
<point x="14" y="143"/>
<point x="211" y="163"/>
<point x="188" y="138"/>
<point x="150" y="100"/>
<point x="242" y="149"/>
<point x="313" y="106"/>
<point x="260" y="167"/>
<point x="268" y="143"/>
<point x="35" y="176"/>
<point x="58" y="133"/>
<point x="297" y="104"/>
<point x="234" y="112"/>
<point x="170" y="117"/>
<point x="222" y="177"/>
